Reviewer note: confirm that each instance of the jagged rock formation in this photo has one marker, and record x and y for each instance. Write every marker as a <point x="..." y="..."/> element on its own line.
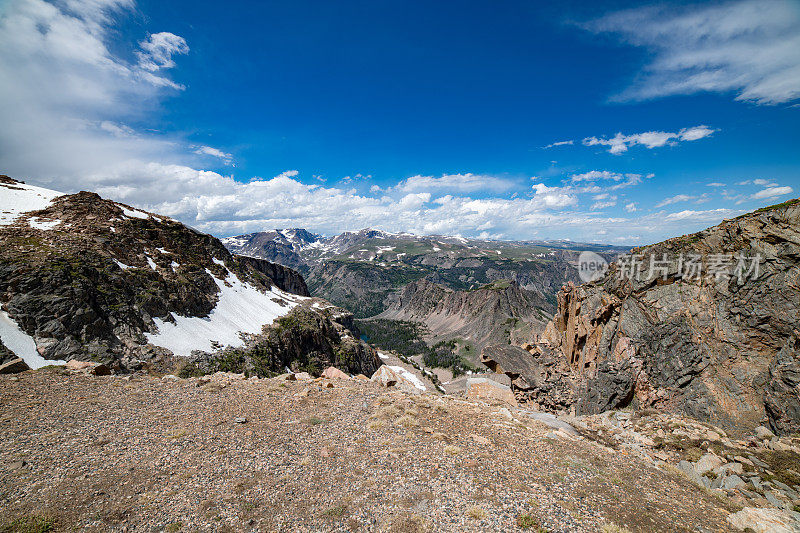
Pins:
<point x="721" y="348"/>
<point x="499" y="312"/>
<point x="84" y="278"/>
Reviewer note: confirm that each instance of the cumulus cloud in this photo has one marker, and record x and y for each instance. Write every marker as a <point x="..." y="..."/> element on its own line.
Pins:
<point x="748" y="47"/>
<point x="771" y="192"/>
<point x="631" y="207"/>
<point x="649" y="139"/>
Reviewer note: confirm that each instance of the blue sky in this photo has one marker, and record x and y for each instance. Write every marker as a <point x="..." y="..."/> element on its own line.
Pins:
<point x="408" y="116"/>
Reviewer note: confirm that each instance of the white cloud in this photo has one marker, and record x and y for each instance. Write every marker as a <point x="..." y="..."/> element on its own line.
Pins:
<point x="464" y="183"/>
<point x="553" y="196"/>
<point x="715" y="184"/>
<point x="708" y="216"/>
<point x="631" y="207"/>
<point x="746" y="47"/>
<point x="214" y="152"/>
<point x="621" y="180"/>
<point x="771" y="192"/>
<point x="649" y="139"/>
<point x="604" y="200"/>
<point x="594" y="175"/>
<point x="675" y="199"/>
<point x="559" y="143"/>
<point x="759" y="182"/>
<point x="157" y="51"/>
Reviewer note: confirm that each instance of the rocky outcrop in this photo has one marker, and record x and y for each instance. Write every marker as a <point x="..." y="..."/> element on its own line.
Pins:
<point x="501" y="312"/>
<point x="285" y="278"/>
<point x="306" y="340"/>
<point x="13" y="366"/>
<point x="721" y="347"/>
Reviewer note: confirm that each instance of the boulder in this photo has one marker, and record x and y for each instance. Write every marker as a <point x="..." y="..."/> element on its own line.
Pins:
<point x="707" y="463"/>
<point x="88" y="367"/>
<point x="334" y="373"/>
<point x="763" y="433"/>
<point x="385" y="377"/>
<point x="487" y="389"/>
<point x="15" y="366"/>
<point x="298" y="376"/>
<point x="518" y="364"/>
<point x="732" y="481"/>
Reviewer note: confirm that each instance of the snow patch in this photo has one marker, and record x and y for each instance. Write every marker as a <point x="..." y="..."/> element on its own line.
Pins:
<point x="152" y="263"/>
<point x="383" y="355"/>
<point x="174" y="265"/>
<point x="123" y="266"/>
<point x="22" y="344"/>
<point x="410" y="376"/>
<point x="44" y="225"/>
<point x="162" y="250"/>
<point x="241" y="308"/>
<point x="19" y="198"/>
<point x="133" y="213"/>
<point x="218" y="261"/>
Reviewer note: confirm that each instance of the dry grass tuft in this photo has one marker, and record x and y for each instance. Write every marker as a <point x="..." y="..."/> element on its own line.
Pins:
<point x="614" y="528"/>
<point x="407" y="421"/>
<point x="452" y="450"/>
<point x="476" y="513"/>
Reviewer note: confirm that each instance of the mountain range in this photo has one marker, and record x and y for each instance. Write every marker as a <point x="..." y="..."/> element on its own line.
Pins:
<point x="476" y="290"/>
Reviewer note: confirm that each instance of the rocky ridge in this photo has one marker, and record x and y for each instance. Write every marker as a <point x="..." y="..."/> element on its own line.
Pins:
<point x="90" y="279"/>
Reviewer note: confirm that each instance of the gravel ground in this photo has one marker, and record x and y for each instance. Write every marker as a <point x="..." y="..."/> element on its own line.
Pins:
<point x="146" y="454"/>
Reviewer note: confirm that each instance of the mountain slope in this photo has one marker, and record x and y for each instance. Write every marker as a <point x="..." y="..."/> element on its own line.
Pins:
<point x="499" y="312"/>
<point x="725" y="349"/>
<point x="90" y="279"/>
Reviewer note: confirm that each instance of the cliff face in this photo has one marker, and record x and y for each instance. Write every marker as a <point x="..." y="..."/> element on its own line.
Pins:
<point x="723" y="347"/>
<point x="501" y="312"/>
<point x="86" y="278"/>
<point x="284" y="277"/>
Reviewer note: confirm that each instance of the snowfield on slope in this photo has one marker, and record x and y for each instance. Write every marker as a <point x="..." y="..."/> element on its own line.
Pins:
<point x="21" y="343"/>
<point x="20" y="198"/>
<point x="241" y="308"/>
